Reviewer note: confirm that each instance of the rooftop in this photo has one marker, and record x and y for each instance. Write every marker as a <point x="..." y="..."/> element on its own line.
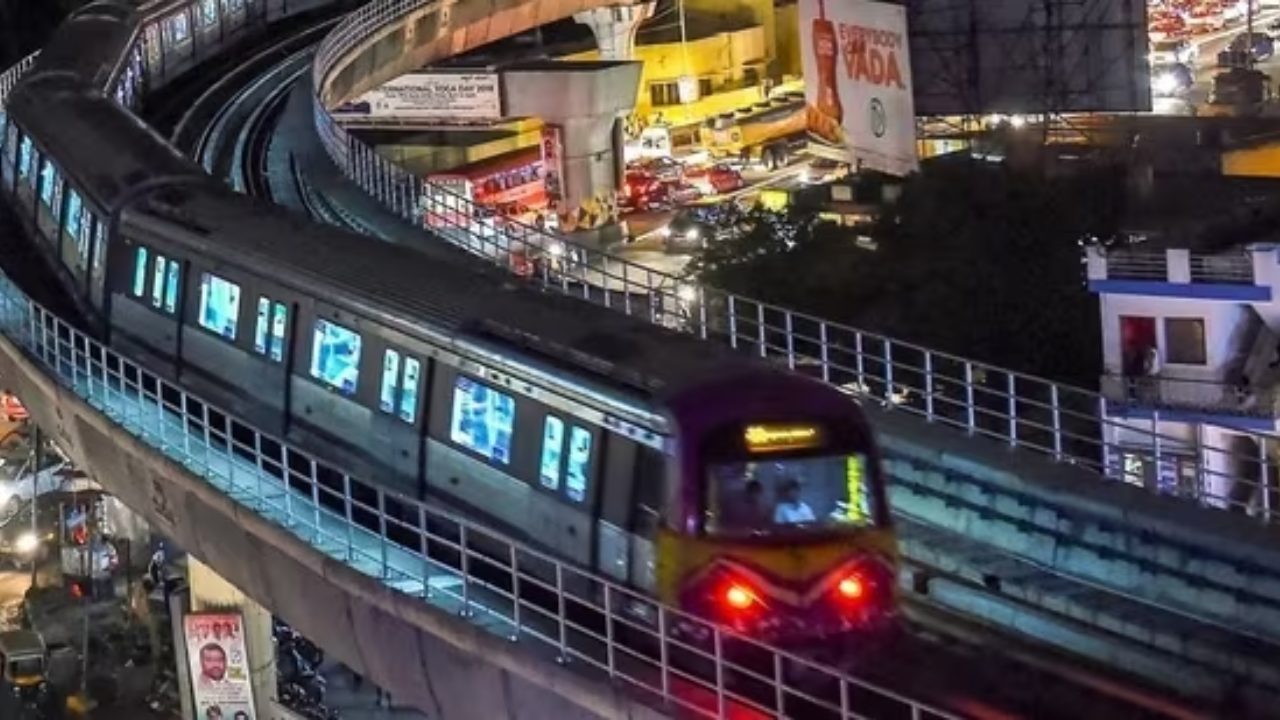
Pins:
<point x="1202" y="212"/>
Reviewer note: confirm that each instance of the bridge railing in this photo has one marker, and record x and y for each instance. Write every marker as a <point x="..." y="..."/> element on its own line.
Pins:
<point x="1068" y="424"/>
<point x="658" y="652"/>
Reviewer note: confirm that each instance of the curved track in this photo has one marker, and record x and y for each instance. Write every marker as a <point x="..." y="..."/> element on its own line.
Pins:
<point x="948" y="578"/>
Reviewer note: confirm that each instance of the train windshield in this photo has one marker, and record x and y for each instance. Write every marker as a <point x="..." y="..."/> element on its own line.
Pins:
<point x="819" y="493"/>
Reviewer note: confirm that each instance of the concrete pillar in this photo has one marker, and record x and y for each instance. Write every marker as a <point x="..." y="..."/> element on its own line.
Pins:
<point x="586" y="146"/>
<point x="211" y="593"/>
<point x="615" y="28"/>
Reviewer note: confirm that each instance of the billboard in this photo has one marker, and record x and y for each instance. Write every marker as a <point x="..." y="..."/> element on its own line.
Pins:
<point x="220" y="681"/>
<point x="429" y="96"/>
<point x="553" y="163"/>
<point x="858" y="93"/>
<point x="1028" y="57"/>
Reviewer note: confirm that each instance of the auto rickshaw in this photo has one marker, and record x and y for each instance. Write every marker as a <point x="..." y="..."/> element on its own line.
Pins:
<point x="24" y="659"/>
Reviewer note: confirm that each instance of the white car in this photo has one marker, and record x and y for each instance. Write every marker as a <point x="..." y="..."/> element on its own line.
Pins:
<point x="1171" y="52"/>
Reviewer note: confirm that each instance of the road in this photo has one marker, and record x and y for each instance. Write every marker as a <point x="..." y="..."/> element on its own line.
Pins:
<point x="1209" y="45"/>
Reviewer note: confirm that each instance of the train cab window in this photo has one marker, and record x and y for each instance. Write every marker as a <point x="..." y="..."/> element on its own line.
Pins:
<point x="219" y="306"/>
<point x="552" y="453"/>
<point x="335" y="356"/>
<point x="140" y="272"/>
<point x="209" y="12"/>
<point x="792" y="493"/>
<point x="578" y="468"/>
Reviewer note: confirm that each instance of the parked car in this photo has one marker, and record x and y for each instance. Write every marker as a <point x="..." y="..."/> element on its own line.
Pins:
<point x="716" y="179"/>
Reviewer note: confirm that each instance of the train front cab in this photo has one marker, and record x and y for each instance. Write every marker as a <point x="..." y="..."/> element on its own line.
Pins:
<point x="783" y="535"/>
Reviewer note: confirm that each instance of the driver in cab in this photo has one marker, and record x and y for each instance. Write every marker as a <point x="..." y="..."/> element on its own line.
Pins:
<point x="791" y="510"/>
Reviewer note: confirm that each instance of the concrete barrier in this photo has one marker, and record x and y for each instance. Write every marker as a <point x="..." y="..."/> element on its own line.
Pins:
<point x="427" y="658"/>
<point x="1209" y="563"/>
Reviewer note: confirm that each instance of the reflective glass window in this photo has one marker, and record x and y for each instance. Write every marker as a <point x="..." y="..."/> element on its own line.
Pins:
<point x="99" y="246"/>
<point x="72" y="225"/>
<point x="390" y="381"/>
<point x="55" y="205"/>
<point x="262" y="326"/>
<point x="552" y="452"/>
<point x="219" y="305"/>
<point x="84" y="238"/>
<point x="237" y="6"/>
<point x="154" y="48"/>
<point x="409" y="389"/>
<point x="335" y="356"/>
<point x="578" y="467"/>
<point x="179" y="28"/>
<point x="159" y="274"/>
<point x="140" y="272"/>
<point x="26" y="158"/>
<point x="171" y="287"/>
<point x="483" y="420"/>
<point x="48" y="178"/>
<point x="209" y="11"/>
<point x="279" y="321"/>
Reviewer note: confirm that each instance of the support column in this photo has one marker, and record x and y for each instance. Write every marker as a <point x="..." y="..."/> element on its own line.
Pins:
<point x="587" y="160"/>
<point x="210" y="593"/>
<point x="615" y="28"/>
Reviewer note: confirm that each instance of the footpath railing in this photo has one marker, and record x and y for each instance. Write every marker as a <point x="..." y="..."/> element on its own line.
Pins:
<point x="1066" y="423"/>
<point x="420" y="550"/>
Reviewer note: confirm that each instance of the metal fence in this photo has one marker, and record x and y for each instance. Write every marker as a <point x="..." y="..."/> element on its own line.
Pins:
<point x="445" y="559"/>
<point x="1066" y="423"/>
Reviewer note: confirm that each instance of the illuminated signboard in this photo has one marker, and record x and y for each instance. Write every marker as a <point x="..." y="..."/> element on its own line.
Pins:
<point x="780" y="438"/>
<point x="857" y="508"/>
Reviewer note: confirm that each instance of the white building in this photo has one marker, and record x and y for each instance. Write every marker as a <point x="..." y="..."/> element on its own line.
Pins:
<point x="1191" y="353"/>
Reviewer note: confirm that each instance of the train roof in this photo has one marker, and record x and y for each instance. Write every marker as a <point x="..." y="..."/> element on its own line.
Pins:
<point x="451" y="291"/>
<point x="67" y="118"/>
<point x="91" y="44"/>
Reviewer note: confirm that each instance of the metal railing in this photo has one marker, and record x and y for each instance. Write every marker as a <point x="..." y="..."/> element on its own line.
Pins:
<point x="1227" y="269"/>
<point x="1137" y="265"/>
<point x="1196" y="395"/>
<point x="1066" y="423"/>
<point x="1234" y="268"/>
<point x="421" y="550"/>
<point x="10" y="77"/>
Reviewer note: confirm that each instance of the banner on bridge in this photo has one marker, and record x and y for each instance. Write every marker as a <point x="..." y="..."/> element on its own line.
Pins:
<point x="220" y="679"/>
<point x="440" y="96"/>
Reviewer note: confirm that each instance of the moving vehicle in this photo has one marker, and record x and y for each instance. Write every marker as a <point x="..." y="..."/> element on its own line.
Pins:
<point x="24" y="666"/>
<point x="1238" y="92"/>
<point x="601" y="439"/>
<point x="12" y="409"/>
<point x="696" y="225"/>
<point x="1171" y="80"/>
<point x="715" y="179"/>
<point x="513" y="178"/>
<point x="1165" y="52"/>
<point x="643" y="192"/>
<point x="769" y="133"/>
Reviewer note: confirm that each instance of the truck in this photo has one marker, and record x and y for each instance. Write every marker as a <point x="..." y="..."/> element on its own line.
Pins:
<point x="770" y="133"/>
<point x="1238" y="92"/>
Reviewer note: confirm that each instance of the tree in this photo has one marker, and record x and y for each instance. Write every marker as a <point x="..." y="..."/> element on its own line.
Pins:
<point x="974" y="259"/>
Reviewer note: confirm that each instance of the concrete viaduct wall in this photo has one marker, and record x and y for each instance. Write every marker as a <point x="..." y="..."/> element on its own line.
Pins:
<point x="426" y="657"/>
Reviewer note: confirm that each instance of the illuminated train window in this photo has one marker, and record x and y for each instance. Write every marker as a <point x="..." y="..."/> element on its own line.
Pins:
<point x="269" y="329"/>
<point x="579" y="465"/>
<point x="209" y="12"/>
<point x="262" y="325"/>
<point x="219" y="306"/>
<point x="140" y="272"/>
<point x="158" y="280"/>
<point x="552" y="452"/>
<point x="279" y="322"/>
<point x="398" y="393"/>
<point x="335" y="356"/>
<point x="84" y="239"/>
<point x="26" y="158"/>
<point x="390" y="380"/>
<point x="821" y="491"/>
<point x="48" y="180"/>
<point x="483" y="420"/>
<point x="178" y="27"/>
<point x="72" y="225"/>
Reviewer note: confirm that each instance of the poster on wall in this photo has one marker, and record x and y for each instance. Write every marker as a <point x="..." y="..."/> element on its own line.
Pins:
<point x="553" y="164"/>
<point x="429" y="96"/>
<point x="220" y="681"/>
<point x="857" y="69"/>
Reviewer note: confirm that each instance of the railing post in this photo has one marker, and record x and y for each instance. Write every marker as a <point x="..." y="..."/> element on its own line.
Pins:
<point x="1056" y="409"/>
<point x="733" y="321"/>
<point x="1264" y="480"/>
<point x="859" y="361"/>
<point x="1011" y="391"/>
<point x="791" y="340"/>
<point x="347" y="514"/>
<point x="928" y="385"/>
<point x="779" y="686"/>
<point x="562" y="624"/>
<point x="664" y="653"/>
<point x="824" y="352"/>
<point x="611" y="660"/>
<point x="464" y="564"/>
<point x="382" y="534"/>
<point x="516" y="611"/>
<point x="970" y="407"/>
<point x="717" y="645"/>
<point x="888" y="370"/>
<point x="762" y="336"/>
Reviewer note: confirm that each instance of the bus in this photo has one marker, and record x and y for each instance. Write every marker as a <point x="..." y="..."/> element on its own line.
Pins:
<point x="509" y="184"/>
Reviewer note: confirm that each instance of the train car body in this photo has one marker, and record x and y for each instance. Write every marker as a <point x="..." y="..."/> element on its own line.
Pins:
<point x="600" y="439"/>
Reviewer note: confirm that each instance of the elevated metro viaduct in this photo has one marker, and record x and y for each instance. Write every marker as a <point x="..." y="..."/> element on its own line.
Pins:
<point x="1058" y="514"/>
<point x="586" y="102"/>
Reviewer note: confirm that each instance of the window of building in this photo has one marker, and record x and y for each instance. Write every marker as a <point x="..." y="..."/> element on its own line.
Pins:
<point x="578" y="468"/>
<point x="663" y="94"/>
<point x="140" y="272"/>
<point x="335" y="356"/>
<point x="1185" y="341"/>
<point x="704" y="87"/>
<point x="219" y="306"/>
<point x="552" y="453"/>
<point x="99" y="246"/>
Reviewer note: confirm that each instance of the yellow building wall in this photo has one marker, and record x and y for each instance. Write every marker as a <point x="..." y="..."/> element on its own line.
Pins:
<point x="787" y="40"/>
<point x="722" y="58"/>
<point x="1263" y="161"/>
<point x="423" y="160"/>
<point x="761" y="13"/>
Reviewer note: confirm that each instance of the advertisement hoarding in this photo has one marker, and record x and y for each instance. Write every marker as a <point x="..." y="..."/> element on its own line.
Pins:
<point x="429" y="96"/>
<point x="857" y="70"/>
<point x="220" y="680"/>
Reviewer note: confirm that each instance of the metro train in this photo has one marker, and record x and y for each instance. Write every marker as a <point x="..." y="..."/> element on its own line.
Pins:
<point x="703" y="478"/>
